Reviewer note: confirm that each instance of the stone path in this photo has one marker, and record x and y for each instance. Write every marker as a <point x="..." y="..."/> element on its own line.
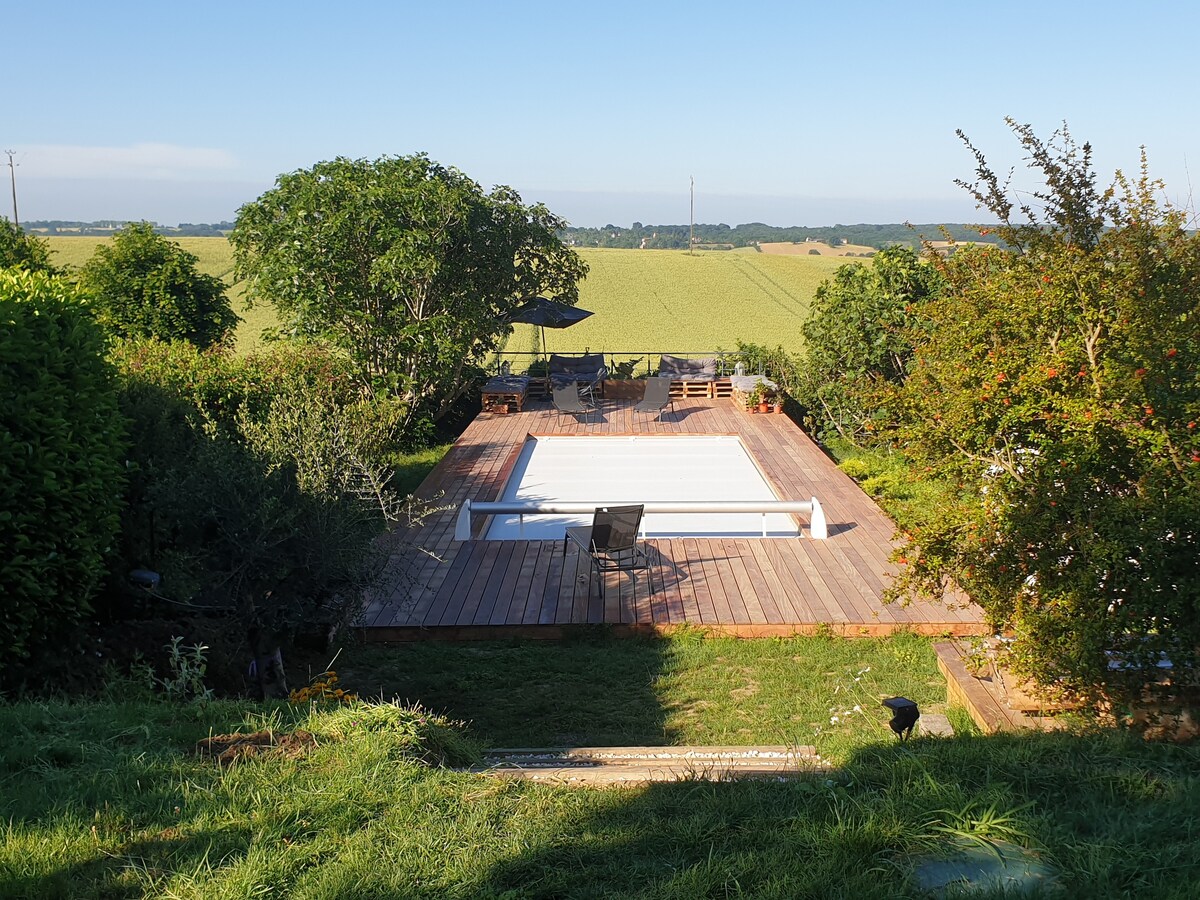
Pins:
<point x="641" y="765"/>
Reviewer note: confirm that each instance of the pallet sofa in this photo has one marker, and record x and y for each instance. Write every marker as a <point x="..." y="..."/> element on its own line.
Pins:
<point x="694" y="377"/>
<point x="587" y="369"/>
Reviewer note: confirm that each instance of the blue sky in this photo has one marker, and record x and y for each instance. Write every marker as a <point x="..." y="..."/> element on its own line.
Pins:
<point x="785" y="113"/>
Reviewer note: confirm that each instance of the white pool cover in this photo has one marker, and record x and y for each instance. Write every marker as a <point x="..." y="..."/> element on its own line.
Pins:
<point x="606" y="470"/>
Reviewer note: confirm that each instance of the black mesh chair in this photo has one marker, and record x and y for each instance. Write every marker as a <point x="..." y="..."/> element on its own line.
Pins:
<point x="610" y="542"/>
<point x="657" y="397"/>
<point x="568" y="402"/>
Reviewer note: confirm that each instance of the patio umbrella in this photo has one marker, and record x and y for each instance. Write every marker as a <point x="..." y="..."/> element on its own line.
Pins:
<point x="548" y="314"/>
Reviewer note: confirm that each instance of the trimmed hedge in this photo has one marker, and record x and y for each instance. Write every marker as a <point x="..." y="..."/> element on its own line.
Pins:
<point x="61" y="448"/>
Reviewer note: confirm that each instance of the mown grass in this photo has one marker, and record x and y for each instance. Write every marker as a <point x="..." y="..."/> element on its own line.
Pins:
<point x="643" y="300"/>
<point x="110" y="800"/>
<point x="690" y="689"/>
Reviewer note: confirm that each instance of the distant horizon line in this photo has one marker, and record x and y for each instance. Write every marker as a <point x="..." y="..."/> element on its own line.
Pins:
<point x="105" y="223"/>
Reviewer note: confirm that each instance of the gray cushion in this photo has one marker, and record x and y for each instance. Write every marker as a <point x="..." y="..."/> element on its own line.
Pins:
<point x="745" y="383"/>
<point x="507" y="384"/>
<point x="681" y="369"/>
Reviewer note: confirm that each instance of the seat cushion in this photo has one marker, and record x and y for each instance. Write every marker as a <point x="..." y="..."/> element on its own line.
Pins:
<point x="681" y="369"/>
<point x="507" y="384"/>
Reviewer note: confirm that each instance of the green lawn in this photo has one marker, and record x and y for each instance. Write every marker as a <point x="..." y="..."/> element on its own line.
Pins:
<point x="691" y="689"/>
<point x="110" y="799"/>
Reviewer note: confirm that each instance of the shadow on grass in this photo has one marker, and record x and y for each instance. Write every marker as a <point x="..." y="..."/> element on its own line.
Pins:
<point x="588" y="689"/>
<point x="129" y="870"/>
<point x="1113" y="816"/>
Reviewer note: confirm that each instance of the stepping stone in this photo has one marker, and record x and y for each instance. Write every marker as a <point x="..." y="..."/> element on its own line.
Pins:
<point x="935" y="725"/>
<point x="987" y="867"/>
<point x="640" y="765"/>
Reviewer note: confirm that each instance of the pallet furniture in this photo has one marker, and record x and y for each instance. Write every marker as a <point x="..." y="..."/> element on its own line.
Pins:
<point x="689" y="377"/>
<point x="742" y="386"/>
<point x="586" y="370"/>
<point x="505" y="390"/>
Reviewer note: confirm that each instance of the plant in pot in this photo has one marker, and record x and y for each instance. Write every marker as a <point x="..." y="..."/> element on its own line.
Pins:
<point x="778" y="405"/>
<point x="764" y="400"/>
<point x="755" y="398"/>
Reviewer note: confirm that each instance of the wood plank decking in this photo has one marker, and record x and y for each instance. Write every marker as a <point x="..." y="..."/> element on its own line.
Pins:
<point x="436" y="587"/>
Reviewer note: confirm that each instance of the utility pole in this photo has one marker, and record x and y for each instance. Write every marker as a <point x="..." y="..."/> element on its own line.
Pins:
<point x="691" y="219"/>
<point x="12" y="175"/>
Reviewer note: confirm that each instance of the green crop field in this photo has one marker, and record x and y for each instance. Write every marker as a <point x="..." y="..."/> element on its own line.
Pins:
<point x="645" y="301"/>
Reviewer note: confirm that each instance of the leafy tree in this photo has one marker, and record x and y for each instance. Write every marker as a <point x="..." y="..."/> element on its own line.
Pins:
<point x="407" y="266"/>
<point x="147" y="286"/>
<point x="856" y="337"/>
<point x="20" y="249"/>
<point x="61" y="447"/>
<point x="1059" y="389"/>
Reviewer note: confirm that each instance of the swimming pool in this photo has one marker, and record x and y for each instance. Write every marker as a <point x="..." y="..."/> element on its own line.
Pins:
<point x="641" y="469"/>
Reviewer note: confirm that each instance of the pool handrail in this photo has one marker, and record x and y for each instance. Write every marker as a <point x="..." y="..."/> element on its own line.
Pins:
<point x="818" y="528"/>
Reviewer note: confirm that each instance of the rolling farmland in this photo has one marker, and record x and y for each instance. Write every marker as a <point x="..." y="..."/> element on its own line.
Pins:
<point x="643" y="300"/>
<point x="650" y="300"/>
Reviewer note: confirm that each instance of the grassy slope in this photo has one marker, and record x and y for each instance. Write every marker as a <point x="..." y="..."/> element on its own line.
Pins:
<point x="643" y="300"/>
<point x="110" y="799"/>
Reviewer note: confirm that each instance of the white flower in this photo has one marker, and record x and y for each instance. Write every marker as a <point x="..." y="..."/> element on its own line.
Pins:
<point x="833" y="720"/>
<point x="858" y="709"/>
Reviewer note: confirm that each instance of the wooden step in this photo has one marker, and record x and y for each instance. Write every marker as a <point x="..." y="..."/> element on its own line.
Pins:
<point x="639" y="765"/>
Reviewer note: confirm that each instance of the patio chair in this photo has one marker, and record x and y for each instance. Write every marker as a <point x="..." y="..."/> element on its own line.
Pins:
<point x="567" y="401"/>
<point x="657" y="397"/>
<point x="610" y="542"/>
<point x="587" y="370"/>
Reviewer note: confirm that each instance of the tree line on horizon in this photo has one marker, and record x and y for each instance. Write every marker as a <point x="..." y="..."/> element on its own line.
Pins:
<point x="676" y="237"/>
<point x="637" y="236"/>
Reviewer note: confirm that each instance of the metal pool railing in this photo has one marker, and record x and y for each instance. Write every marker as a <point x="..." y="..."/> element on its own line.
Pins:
<point x="636" y="362"/>
<point x="817" y="526"/>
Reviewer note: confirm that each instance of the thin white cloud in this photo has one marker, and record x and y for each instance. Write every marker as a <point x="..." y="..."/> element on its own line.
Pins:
<point x="151" y="162"/>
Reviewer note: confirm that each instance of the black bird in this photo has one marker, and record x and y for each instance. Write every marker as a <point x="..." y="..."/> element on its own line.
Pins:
<point x="904" y="715"/>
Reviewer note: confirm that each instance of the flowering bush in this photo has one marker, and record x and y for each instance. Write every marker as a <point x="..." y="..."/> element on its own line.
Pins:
<point x="1055" y="389"/>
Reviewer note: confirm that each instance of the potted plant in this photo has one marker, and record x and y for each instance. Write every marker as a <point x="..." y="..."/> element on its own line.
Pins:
<point x="764" y="398"/>
<point x="778" y="405"/>
<point x="755" y="398"/>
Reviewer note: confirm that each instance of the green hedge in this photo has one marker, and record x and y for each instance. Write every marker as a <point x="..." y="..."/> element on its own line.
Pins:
<point x="61" y="446"/>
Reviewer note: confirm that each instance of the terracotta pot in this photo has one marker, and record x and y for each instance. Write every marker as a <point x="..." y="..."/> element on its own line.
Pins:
<point x="779" y="409"/>
<point x="764" y="407"/>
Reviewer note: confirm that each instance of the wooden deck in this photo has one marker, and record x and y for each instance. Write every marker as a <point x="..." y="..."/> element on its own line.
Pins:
<point x="436" y="587"/>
